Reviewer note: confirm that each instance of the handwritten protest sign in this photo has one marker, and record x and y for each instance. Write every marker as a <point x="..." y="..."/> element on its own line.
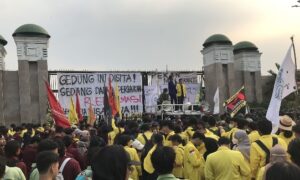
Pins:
<point x="90" y="88"/>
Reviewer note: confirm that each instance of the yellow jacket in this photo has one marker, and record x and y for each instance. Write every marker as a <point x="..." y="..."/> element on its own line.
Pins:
<point x="114" y="132"/>
<point x="258" y="156"/>
<point x="166" y="139"/>
<point x="189" y="132"/>
<point x="178" y="88"/>
<point x="183" y="137"/>
<point x="253" y="136"/>
<point x="136" y="170"/>
<point x="230" y="134"/>
<point x="226" y="164"/>
<point x="178" y="167"/>
<point x="11" y="132"/>
<point x="286" y="140"/>
<point x="210" y="134"/>
<point x="193" y="162"/>
<point x="261" y="173"/>
<point x="147" y="161"/>
<point x="141" y="138"/>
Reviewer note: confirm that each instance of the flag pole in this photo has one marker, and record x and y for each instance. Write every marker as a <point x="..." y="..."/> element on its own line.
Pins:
<point x="295" y="59"/>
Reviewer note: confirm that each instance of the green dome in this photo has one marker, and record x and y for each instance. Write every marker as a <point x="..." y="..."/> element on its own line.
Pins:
<point x="31" y="30"/>
<point x="217" y="39"/>
<point x="2" y="41"/>
<point x="244" y="46"/>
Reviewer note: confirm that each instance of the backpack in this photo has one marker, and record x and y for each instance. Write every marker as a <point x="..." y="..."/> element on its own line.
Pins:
<point x="265" y="149"/>
<point x="61" y="169"/>
<point x="145" y="138"/>
<point x="85" y="175"/>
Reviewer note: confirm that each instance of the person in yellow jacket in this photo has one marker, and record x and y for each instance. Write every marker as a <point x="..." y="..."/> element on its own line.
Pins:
<point x="179" y="151"/>
<point x="285" y="129"/>
<point x="157" y="140"/>
<point x="260" y="149"/>
<point x="145" y="136"/>
<point x="11" y="131"/>
<point x="167" y="130"/>
<point x="189" y="131"/>
<point x="178" y="130"/>
<point x="193" y="160"/>
<point x="136" y="170"/>
<point x="236" y="123"/>
<point x="163" y="160"/>
<point x="208" y="134"/>
<point x="226" y="163"/>
<point x="253" y="135"/>
<point x="115" y="131"/>
<point x="181" y="92"/>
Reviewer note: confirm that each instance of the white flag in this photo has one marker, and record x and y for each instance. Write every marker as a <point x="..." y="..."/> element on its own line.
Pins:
<point x="284" y="85"/>
<point x="217" y="102"/>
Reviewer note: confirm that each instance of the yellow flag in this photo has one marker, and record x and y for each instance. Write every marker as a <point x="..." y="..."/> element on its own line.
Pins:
<point x="91" y="115"/>
<point x="73" y="118"/>
<point x="118" y="103"/>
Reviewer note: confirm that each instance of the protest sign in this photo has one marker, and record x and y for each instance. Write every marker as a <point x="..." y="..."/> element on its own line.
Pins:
<point x="90" y="88"/>
<point x="151" y="96"/>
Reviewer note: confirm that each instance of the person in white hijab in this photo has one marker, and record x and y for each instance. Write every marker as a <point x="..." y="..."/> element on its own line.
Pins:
<point x="242" y="143"/>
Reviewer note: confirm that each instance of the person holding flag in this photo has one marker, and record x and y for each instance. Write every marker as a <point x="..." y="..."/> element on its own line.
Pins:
<point x="72" y="113"/>
<point x="78" y="108"/>
<point x="118" y="102"/>
<point x="91" y="115"/>
<point x="111" y="99"/>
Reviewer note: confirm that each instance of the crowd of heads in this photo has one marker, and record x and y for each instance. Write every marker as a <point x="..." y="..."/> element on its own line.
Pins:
<point x="52" y="144"/>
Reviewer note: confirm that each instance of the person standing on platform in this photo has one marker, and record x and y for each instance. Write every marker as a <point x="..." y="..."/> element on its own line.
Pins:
<point x="172" y="90"/>
<point x="181" y="92"/>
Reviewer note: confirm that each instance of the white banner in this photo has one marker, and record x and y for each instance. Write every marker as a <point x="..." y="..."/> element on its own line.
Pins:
<point x="217" y="102"/>
<point x="151" y="96"/>
<point x="90" y="87"/>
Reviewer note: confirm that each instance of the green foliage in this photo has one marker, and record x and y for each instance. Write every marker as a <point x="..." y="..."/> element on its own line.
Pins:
<point x="289" y="103"/>
<point x="49" y="119"/>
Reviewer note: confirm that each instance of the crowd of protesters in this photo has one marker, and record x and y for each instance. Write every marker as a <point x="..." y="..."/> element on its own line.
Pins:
<point x="187" y="147"/>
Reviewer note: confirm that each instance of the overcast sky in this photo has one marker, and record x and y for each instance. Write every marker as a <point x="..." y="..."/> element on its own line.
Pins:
<point x="149" y="34"/>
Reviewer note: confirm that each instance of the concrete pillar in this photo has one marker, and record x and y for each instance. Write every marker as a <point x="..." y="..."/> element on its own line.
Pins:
<point x="42" y="77"/>
<point x="24" y="92"/>
<point x="3" y="42"/>
<point x="248" y="69"/>
<point x="32" y="50"/>
<point x="218" y="68"/>
<point x="1" y="98"/>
